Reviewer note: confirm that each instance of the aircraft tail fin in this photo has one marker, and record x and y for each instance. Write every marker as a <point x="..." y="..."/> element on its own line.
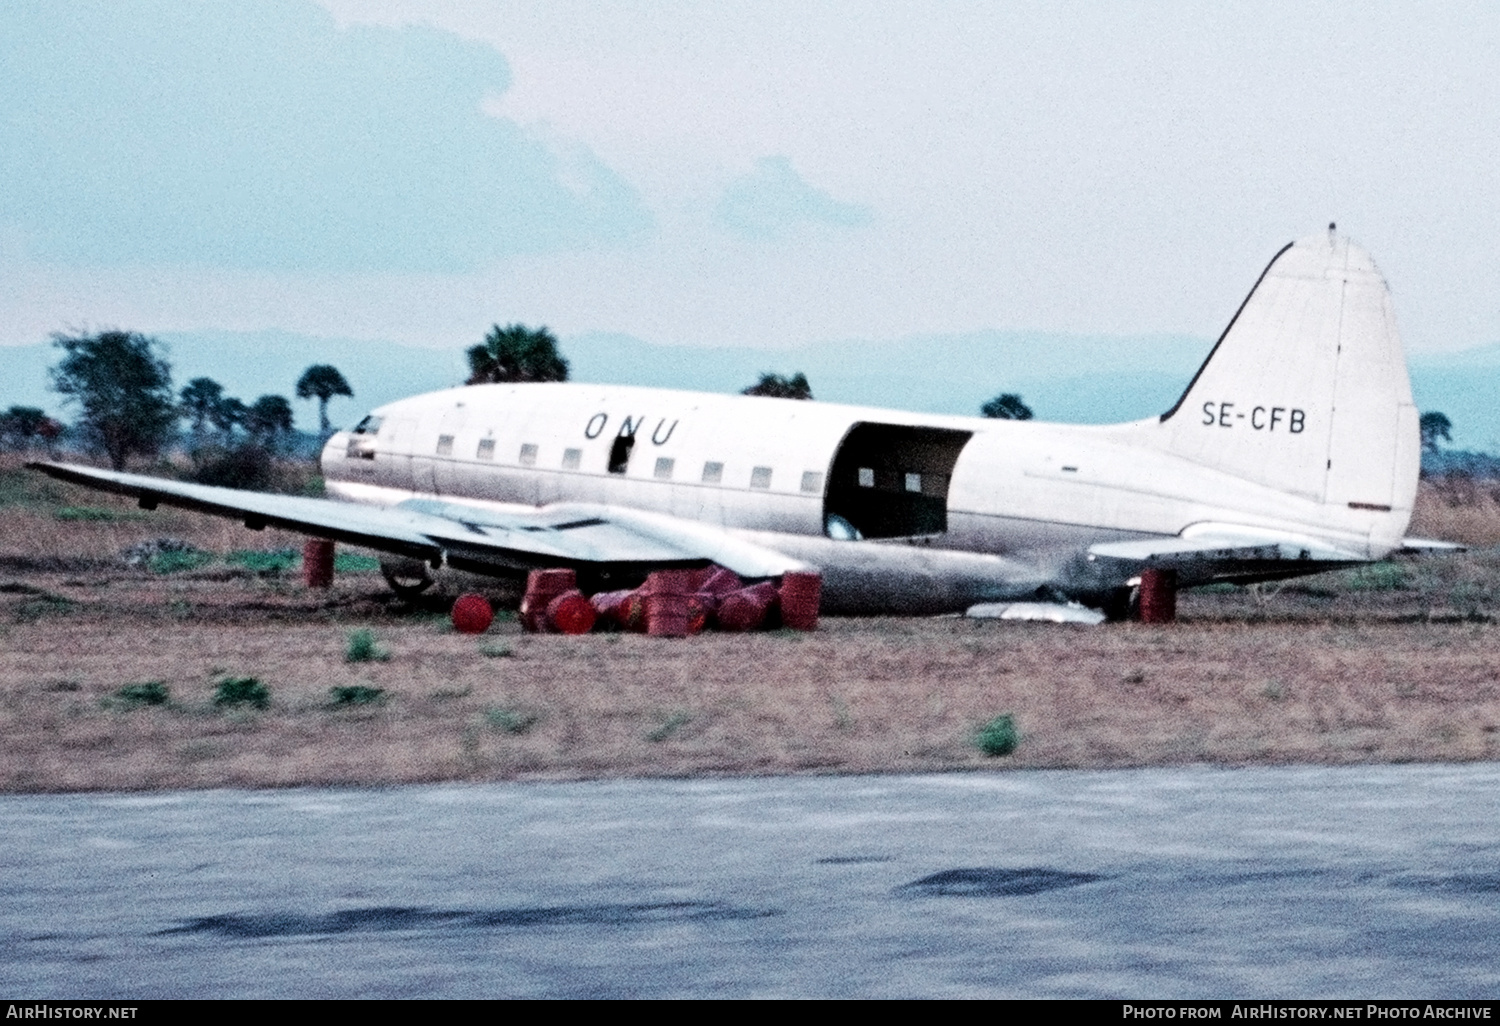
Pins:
<point x="1306" y="391"/>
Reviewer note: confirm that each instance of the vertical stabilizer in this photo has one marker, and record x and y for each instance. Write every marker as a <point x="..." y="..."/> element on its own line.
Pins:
<point x="1306" y="391"/>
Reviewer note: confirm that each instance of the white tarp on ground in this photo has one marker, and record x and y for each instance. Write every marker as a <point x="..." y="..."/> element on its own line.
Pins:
<point x="1052" y="612"/>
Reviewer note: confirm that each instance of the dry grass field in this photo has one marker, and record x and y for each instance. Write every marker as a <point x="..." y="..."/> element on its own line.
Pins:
<point x="1395" y="662"/>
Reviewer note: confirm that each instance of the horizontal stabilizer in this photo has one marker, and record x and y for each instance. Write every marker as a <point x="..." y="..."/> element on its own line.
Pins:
<point x="1226" y="552"/>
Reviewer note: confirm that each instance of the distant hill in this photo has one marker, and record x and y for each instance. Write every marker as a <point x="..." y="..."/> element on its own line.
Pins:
<point x="1078" y="379"/>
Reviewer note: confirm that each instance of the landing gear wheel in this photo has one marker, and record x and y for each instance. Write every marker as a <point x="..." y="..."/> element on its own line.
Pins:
<point x="1122" y="604"/>
<point x="408" y="578"/>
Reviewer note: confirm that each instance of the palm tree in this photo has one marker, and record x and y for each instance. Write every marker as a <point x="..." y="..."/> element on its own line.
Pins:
<point x="1006" y="406"/>
<point x="198" y="401"/>
<point x="516" y="353"/>
<point x="778" y="387"/>
<point x="268" y="419"/>
<point x="323" y="382"/>
<point x="1435" y="427"/>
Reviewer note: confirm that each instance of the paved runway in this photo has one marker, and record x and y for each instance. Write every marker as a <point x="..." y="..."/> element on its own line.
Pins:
<point x="1302" y="882"/>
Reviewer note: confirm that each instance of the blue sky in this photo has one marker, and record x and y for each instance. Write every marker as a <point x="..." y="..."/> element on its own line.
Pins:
<point x="758" y="174"/>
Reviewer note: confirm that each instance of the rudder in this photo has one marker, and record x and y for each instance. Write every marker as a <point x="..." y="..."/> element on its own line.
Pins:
<point x="1307" y="391"/>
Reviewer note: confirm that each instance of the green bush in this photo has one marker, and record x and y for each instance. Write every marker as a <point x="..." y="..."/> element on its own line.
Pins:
<point x="151" y="692"/>
<point x="242" y="691"/>
<point x="356" y="694"/>
<point x="998" y="737"/>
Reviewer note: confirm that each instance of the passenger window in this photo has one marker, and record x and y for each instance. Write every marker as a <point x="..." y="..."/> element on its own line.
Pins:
<point x="572" y="458"/>
<point x="713" y="473"/>
<point x="445" y="445"/>
<point x="664" y="468"/>
<point x="867" y="477"/>
<point x="486" y="450"/>
<point x="760" y="477"/>
<point x="914" y="482"/>
<point x="528" y="455"/>
<point x="812" y="481"/>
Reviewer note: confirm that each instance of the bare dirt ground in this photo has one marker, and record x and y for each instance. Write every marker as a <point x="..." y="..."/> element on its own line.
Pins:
<point x="1389" y="663"/>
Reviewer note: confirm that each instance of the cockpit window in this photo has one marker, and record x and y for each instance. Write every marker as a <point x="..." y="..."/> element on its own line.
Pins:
<point x="369" y="426"/>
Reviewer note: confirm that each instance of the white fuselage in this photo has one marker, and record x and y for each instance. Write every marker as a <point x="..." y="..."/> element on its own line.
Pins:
<point x="951" y="510"/>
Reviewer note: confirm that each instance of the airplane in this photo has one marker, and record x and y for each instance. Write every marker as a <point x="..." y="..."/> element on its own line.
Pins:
<point x="1293" y="450"/>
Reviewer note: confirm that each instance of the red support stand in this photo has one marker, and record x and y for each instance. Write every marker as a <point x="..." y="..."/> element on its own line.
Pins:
<point x="317" y="563"/>
<point x="1158" y="596"/>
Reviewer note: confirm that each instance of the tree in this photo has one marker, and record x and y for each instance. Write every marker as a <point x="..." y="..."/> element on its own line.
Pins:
<point x="1434" y="426"/>
<point x="269" y="419"/>
<point x="122" y="387"/>
<point x="516" y="353"/>
<point x="228" y="413"/>
<point x="199" y="401"/>
<point x="1006" y="406"/>
<point x="324" y="382"/>
<point x="20" y="424"/>
<point x="778" y="387"/>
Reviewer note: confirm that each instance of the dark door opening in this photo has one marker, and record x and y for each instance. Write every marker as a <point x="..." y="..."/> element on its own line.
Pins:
<point x="890" y="481"/>
<point x="619" y="453"/>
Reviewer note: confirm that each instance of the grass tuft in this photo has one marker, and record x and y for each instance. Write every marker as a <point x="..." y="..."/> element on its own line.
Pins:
<point x="177" y="562"/>
<point x="352" y="563"/>
<point x="266" y="564"/>
<point x="151" y="692"/>
<point x="512" y="721"/>
<point x="96" y="514"/>
<point x="673" y="724"/>
<point x="357" y="694"/>
<point x="495" y="650"/>
<point x="242" y="691"/>
<point x="363" y="649"/>
<point x="998" y="737"/>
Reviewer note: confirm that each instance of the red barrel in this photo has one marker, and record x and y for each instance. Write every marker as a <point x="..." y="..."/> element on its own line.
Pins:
<point x="721" y="582"/>
<point x="570" y="613"/>
<point x="748" y="608"/>
<point x="317" y="563"/>
<point x="472" y="614"/>
<point x="703" y="608"/>
<point x="632" y="612"/>
<point x="542" y="586"/>
<point x="667" y="615"/>
<point x="671" y="582"/>
<point x="609" y="606"/>
<point x="800" y="591"/>
<point x="1158" y="596"/>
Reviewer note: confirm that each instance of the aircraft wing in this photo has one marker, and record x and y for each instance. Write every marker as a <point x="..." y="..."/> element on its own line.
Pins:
<point x="1228" y="552"/>
<point x="469" y="536"/>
